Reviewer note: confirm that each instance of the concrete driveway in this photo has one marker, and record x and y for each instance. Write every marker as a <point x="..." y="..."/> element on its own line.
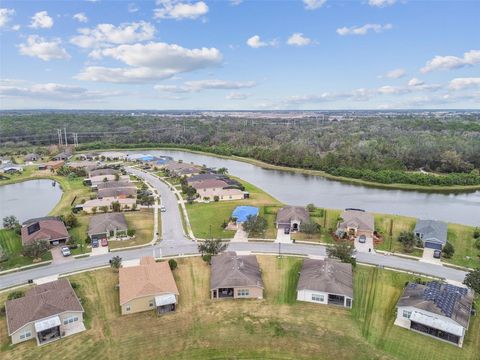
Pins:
<point x="240" y="235"/>
<point x="428" y="257"/>
<point x="364" y="247"/>
<point x="100" y="250"/>
<point x="57" y="257"/>
<point x="282" y="237"/>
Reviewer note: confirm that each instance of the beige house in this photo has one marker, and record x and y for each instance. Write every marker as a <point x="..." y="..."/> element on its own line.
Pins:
<point x="46" y="313"/>
<point x="148" y="286"/>
<point x="223" y="194"/>
<point x="236" y="277"/>
<point x="291" y="217"/>
<point x="356" y="223"/>
<point x="88" y="205"/>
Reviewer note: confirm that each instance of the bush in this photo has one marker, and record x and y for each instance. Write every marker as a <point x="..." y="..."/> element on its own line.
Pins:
<point x="131" y="232"/>
<point x="476" y="233"/>
<point x="477" y="244"/>
<point x="36" y="249"/>
<point x="2" y="311"/>
<point x="216" y="198"/>
<point x="74" y="285"/>
<point x="173" y="264"/>
<point x="207" y="258"/>
<point x="88" y="240"/>
<point x="15" y="295"/>
<point x="448" y="250"/>
<point x="311" y="207"/>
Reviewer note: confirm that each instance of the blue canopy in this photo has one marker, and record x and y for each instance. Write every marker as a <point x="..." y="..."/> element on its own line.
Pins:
<point x="241" y="213"/>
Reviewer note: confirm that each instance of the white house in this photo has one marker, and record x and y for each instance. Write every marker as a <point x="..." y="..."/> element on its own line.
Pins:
<point x="326" y="282"/>
<point x="441" y="311"/>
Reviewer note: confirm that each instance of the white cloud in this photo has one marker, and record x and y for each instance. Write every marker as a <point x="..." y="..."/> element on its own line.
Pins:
<point x="52" y="91"/>
<point x="108" y="34"/>
<point x="209" y="84"/>
<point x="237" y="96"/>
<point x="6" y="16"/>
<point x="392" y="90"/>
<point x="415" y="82"/>
<point x="449" y="62"/>
<point x="381" y="3"/>
<point x="178" y="10"/>
<point x="363" y="30"/>
<point x="297" y="39"/>
<point x="464" y="83"/>
<point x="132" y="8"/>
<point x="256" y="42"/>
<point x="149" y="62"/>
<point x="235" y="2"/>
<point x="81" y="17"/>
<point x="396" y="73"/>
<point x="313" y="4"/>
<point x="41" y="20"/>
<point x="37" y="46"/>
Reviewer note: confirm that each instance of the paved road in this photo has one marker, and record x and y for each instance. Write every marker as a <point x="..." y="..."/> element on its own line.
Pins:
<point x="175" y="243"/>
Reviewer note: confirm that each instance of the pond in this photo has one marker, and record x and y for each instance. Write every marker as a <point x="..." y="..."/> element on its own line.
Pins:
<point x="301" y="189"/>
<point x="29" y="199"/>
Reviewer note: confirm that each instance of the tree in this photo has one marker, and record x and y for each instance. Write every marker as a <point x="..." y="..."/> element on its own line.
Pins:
<point x="255" y="225"/>
<point x="222" y="171"/>
<point x="342" y="251"/>
<point x="211" y="247"/>
<point x="476" y="233"/>
<point x="472" y="280"/>
<point x="104" y="208"/>
<point x="173" y="264"/>
<point x="94" y="210"/>
<point x="310" y="227"/>
<point x="448" y="250"/>
<point x="116" y="262"/>
<point x="71" y="220"/>
<point x="10" y="222"/>
<point x="116" y="206"/>
<point x="311" y="207"/>
<point x="36" y="249"/>
<point x="105" y="179"/>
<point x="408" y="239"/>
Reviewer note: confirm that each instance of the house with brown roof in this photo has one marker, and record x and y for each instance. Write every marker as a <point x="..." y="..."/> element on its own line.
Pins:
<point x="89" y="205"/>
<point x="107" y="226"/>
<point x="235" y="277"/>
<point x="291" y="217"/>
<point x="356" y="222"/>
<point x="48" y="228"/>
<point x="46" y="313"/>
<point x="51" y="165"/>
<point x="115" y="185"/>
<point x="328" y="282"/>
<point x="148" y="286"/>
<point x="441" y="311"/>
<point x="117" y="193"/>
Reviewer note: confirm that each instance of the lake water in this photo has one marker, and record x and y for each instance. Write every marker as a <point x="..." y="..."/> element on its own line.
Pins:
<point x="28" y="199"/>
<point x="300" y="189"/>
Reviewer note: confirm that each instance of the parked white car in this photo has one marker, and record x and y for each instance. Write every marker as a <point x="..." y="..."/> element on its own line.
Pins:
<point x="65" y="251"/>
<point x="163" y="208"/>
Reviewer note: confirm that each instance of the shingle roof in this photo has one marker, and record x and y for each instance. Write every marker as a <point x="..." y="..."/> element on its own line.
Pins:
<point x="230" y="270"/>
<point x="103" y="223"/>
<point x="442" y="299"/>
<point x="116" y="184"/>
<point x="209" y="184"/>
<point x="99" y="172"/>
<point x="149" y="278"/>
<point x="49" y="228"/>
<point x="115" y="192"/>
<point x="42" y="301"/>
<point x="328" y="276"/>
<point x="289" y="213"/>
<point x="358" y="219"/>
<point x="432" y="230"/>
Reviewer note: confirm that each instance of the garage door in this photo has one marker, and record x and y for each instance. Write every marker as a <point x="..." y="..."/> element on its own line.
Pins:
<point x="432" y="245"/>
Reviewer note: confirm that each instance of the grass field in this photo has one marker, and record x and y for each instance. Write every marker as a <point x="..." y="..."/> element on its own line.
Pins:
<point x="11" y="243"/>
<point x="274" y="328"/>
<point x="142" y="222"/>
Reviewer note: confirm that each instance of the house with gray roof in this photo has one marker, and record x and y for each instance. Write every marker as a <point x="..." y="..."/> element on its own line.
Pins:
<point x="31" y="157"/>
<point x="107" y="226"/>
<point x="291" y="217"/>
<point x="46" y="313"/>
<point x="441" y="311"/>
<point x="236" y="277"/>
<point x="433" y="233"/>
<point x="328" y="282"/>
<point x="356" y="222"/>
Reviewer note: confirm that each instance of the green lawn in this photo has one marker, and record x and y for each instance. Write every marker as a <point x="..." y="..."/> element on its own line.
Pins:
<point x="11" y="243"/>
<point x="142" y="222"/>
<point x="277" y="327"/>
<point x="79" y="234"/>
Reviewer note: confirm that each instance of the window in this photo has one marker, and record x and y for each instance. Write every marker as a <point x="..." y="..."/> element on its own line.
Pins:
<point x="127" y="307"/>
<point x="317" y="297"/>
<point x="150" y="303"/>
<point x="70" y="320"/>
<point x="407" y="314"/>
<point x="243" y="292"/>
<point x="25" y="335"/>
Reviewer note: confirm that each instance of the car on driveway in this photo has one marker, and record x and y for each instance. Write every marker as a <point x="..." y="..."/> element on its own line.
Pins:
<point x="65" y="251"/>
<point x="95" y="243"/>
<point x="286" y="230"/>
<point x="362" y="239"/>
<point x="104" y="242"/>
<point x="437" y="254"/>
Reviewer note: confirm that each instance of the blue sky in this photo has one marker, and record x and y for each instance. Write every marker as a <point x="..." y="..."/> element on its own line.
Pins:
<point x="178" y="54"/>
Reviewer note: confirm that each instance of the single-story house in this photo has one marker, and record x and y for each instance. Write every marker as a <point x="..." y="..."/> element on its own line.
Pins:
<point x="241" y="213"/>
<point x="209" y="184"/>
<point x="88" y="205"/>
<point x="85" y="164"/>
<point x="46" y="313"/>
<point x="51" y="165"/>
<point x="356" y="222"/>
<point x="201" y="177"/>
<point x="117" y="193"/>
<point x="31" y="157"/>
<point x="115" y="185"/>
<point x="223" y="194"/>
<point x="432" y="233"/>
<point x="11" y="169"/>
<point x="5" y="160"/>
<point x="113" y="155"/>
<point x="107" y="226"/>
<point x="181" y="169"/>
<point x="65" y="155"/>
<point x="236" y="277"/>
<point x="441" y="311"/>
<point x="95" y="180"/>
<point x="150" y="285"/>
<point x="326" y="282"/>
<point x="291" y="217"/>
<point x="48" y="228"/>
<point x="100" y="172"/>
<point x="88" y="156"/>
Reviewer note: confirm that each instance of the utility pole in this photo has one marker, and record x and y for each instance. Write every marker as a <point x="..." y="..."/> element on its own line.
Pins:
<point x="59" y="134"/>
<point x="66" y="141"/>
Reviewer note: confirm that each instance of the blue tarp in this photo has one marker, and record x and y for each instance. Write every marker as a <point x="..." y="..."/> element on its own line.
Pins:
<point x="241" y="213"/>
<point x="147" y="158"/>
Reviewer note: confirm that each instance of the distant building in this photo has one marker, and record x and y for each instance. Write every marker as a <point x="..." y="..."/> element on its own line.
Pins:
<point x="31" y="157"/>
<point x="441" y="311"/>
<point x="432" y="233"/>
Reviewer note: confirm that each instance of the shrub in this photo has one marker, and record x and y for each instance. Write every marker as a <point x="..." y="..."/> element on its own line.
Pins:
<point x="311" y="207"/>
<point x="207" y="258"/>
<point x="173" y="264"/>
<point x="476" y="233"/>
<point x="2" y="311"/>
<point x="448" y="250"/>
<point x="74" y="285"/>
<point x="15" y="295"/>
<point x="131" y="232"/>
<point x="36" y="249"/>
<point x="216" y="198"/>
<point x="477" y="244"/>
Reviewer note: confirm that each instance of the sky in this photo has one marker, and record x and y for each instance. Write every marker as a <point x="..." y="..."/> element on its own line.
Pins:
<point x="239" y="55"/>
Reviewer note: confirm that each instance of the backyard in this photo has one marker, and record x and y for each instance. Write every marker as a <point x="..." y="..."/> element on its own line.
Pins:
<point x="274" y="328"/>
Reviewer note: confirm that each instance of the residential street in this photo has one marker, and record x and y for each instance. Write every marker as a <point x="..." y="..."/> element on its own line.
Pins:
<point x="175" y="243"/>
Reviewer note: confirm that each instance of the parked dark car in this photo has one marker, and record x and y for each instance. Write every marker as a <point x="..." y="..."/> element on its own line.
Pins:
<point x="286" y="230"/>
<point x="437" y="254"/>
<point x="95" y="243"/>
